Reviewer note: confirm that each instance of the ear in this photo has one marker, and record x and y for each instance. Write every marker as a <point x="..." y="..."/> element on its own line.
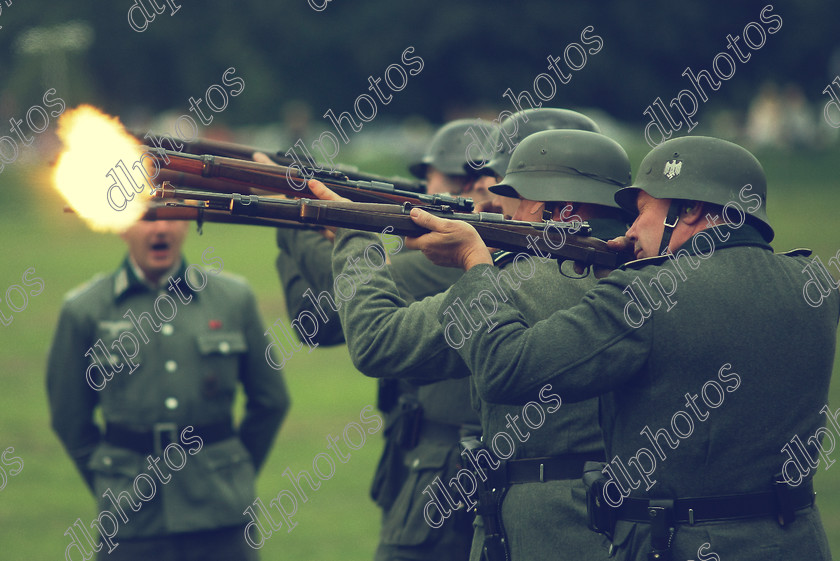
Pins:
<point x="691" y="212"/>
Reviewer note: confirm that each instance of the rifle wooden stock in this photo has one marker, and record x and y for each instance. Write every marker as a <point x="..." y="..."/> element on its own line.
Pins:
<point x="229" y="175"/>
<point x="559" y="240"/>
<point x="233" y="150"/>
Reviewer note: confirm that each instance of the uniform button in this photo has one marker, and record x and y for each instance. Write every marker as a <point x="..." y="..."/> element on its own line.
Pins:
<point x="171" y="366"/>
<point x="415" y="463"/>
<point x="171" y="403"/>
<point x="167" y="329"/>
<point x="224" y="347"/>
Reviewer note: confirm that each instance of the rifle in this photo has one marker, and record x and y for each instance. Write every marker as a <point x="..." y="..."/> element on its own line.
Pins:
<point x="560" y="240"/>
<point x="236" y="151"/>
<point x="227" y="175"/>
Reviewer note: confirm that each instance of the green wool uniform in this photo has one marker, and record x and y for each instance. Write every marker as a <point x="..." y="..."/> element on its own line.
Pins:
<point x="711" y="366"/>
<point x="423" y="423"/>
<point x="187" y="372"/>
<point x="541" y="520"/>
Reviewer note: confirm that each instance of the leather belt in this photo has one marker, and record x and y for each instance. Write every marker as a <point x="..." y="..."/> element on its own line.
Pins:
<point x="163" y="434"/>
<point x="554" y="468"/>
<point x="722" y="507"/>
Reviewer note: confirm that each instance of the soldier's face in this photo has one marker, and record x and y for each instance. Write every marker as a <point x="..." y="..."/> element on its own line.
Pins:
<point x="479" y="190"/>
<point x="646" y="231"/>
<point x="438" y="183"/>
<point x="509" y="205"/>
<point x="155" y="245"/>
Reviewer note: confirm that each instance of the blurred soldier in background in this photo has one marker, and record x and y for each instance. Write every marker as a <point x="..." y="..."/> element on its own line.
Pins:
<point x="445" y="165"/>
<point x="171" y="389"/>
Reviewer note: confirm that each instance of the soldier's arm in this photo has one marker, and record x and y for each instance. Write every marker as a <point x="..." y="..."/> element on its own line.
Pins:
<point x="416" y="277"/>
<point x="267" y="399"/>
<point x="582" y="352"/>
<point x="71" y="399"/>
<point x="387" y="337"/>
<point x="303" y="265"/>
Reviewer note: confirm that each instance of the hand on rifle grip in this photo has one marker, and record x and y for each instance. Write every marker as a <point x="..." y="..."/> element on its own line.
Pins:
<point x="451" y="243"/>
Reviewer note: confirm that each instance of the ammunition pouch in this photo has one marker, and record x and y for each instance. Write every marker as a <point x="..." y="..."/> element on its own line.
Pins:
<point x="490" y="494"/>
<point x="600" y="516"/>
<point x="403" y="418"/>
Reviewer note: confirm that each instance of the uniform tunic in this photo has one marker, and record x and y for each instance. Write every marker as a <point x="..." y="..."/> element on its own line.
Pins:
<point x="187" y="375"/>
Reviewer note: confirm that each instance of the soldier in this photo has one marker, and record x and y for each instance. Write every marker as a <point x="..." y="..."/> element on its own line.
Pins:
<point x="689" y="351"/>
<point x="511" y="132"/>
<point x="159" y="348"/>
<point x="446" y="164"/>
<point x="422" y="424"/>
<point x="532" y="507"/>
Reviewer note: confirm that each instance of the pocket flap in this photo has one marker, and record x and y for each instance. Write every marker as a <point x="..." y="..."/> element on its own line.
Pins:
<point x="225" y="453"/>
<point x="112" y="460"/>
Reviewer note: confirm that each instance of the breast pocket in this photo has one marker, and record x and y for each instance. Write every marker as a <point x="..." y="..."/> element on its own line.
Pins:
<point x="221" y="353"/>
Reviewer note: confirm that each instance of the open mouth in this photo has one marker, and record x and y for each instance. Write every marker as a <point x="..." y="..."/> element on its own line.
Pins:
<point x="160" y="246"/>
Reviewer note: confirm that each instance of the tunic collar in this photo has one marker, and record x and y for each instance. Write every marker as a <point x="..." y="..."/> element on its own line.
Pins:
<point x="128" y="280"/>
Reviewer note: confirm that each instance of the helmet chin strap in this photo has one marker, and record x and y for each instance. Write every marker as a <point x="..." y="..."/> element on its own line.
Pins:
<point x="670" y="223"/>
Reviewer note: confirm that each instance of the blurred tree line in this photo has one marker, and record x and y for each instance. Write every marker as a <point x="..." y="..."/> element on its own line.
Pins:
<point x="473" y="51"/>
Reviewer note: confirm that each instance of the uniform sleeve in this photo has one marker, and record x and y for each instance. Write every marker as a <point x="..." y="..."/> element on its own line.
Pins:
<point x="304" y="264"/>
<point x="385" y="335"/>
<point x="582" y="352"/>
<point x="267" y="399"/>
<point x="416" y="277"/>
<point x="71" y="400"/>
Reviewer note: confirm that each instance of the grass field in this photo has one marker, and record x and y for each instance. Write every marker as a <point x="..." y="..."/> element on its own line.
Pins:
<point x="338" y="523"/>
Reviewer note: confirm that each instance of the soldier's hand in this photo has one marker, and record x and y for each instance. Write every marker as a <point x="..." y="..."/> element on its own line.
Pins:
<point x="620" y="244"/>
<point x="261" y="158"/>
<point x="450" y="243"/>
<point x="322" y="192"/>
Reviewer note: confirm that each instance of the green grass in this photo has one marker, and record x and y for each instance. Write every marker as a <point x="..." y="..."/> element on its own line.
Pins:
<point x="338" y="522"/>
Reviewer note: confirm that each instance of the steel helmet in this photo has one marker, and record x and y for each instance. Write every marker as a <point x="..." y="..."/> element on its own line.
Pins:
<point x="701" y="168"/>
<point x="448" y="147"/>
<point x="566" y="165"/>
<point x="523" y="124"/>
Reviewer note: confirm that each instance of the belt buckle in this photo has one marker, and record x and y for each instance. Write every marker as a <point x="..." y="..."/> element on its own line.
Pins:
<point x="160" y="429"/>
